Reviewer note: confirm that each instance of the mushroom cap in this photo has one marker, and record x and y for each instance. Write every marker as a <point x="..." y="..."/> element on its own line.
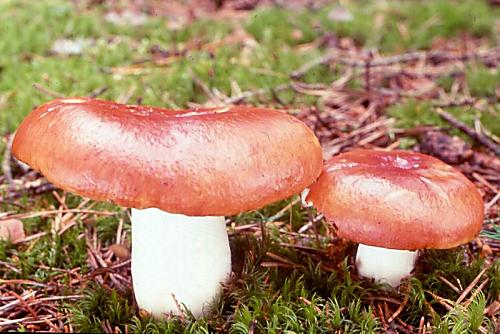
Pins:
<point x="399" y="200"/>
<point x="199" y="162"/>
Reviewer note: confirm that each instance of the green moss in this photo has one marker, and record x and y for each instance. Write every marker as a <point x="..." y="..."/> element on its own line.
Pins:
<point x="322" y="293"/>
<point x="412" y="113"/>
<point x="393" y="26"/>
<point x="389" y="26"/>
<point x="100" y="304"/>
<point x="483" y="81"/>
<point x="275" y="26"/>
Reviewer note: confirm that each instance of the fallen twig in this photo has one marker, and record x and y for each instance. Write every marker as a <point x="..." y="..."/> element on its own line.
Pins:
<point x="481" y="138"/>
<point x="15" y="302"/>
<point x="348" y="60"/>
<point x="54" y="212"/>
<point x="47" y="91"/>
<point x="280" y="213"/>
<point x="471" y="285"/>
<point x="399" y="310"/>
<point x="251" y="93"/>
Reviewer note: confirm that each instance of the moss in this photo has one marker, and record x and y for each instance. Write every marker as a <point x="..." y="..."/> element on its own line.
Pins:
<point x="322" y="293"/>
<point x="412" y="113"/>
<point x="483" y="81"/>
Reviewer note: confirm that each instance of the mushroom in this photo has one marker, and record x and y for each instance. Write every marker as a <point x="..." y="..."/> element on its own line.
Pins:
<point x="181" y="172"/>
<point x="394" y="203"/>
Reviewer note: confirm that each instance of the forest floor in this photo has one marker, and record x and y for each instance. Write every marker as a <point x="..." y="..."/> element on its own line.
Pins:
<point x="413" y="75"/>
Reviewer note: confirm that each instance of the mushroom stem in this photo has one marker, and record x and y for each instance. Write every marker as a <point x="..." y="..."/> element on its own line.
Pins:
<point x="385" y="265"/>
<point x="178" y="261"/>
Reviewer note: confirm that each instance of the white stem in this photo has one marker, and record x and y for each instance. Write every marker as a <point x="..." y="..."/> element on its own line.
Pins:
<point x="385" y="265"/>
<point x="303" y="196"/>
<point x="177" y="261"/>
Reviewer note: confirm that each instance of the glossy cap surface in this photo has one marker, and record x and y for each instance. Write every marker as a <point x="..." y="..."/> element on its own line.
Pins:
<point x="200" y="162"/>
<point x="398" y="199"/>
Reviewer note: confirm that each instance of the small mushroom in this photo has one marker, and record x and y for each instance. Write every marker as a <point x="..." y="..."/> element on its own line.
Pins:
<point x="181" y="172"/>
<point x="394" y="204"/>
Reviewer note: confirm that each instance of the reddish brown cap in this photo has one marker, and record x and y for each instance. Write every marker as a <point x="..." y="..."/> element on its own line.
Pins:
<point x="200" y="162"/>
<point x="398" y="199"/>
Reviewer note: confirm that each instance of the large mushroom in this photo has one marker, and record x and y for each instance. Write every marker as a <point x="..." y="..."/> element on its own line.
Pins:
<point x="181" y="172"/>
<point x="395" y="203"/>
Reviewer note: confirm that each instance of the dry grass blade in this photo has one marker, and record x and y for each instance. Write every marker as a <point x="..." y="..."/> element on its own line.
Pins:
<point x="381" y="316"/>
<point x="451" y="285"/>
<point x="8" y="306"/>
<point x="308" y="302"/>
<point x="492" y="202"/>
<point x="471" y="286"/>
<point x="399" y="310"/>
<point x="476" y="292"/>
<point x="446" y="303"/>
<point x="354" y="101"/>
<point x="24" y="304"/>
<point x="253" y="93"/>
<point x="280" y="213"/>
<point x="46" y="91"/>
<point x="55" y="212"/>
<point x="281" y="261"/>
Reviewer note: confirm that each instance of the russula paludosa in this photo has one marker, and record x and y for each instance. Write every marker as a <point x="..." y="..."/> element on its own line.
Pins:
<point x="181" y="171"/>
<point x="395" y="203"/>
